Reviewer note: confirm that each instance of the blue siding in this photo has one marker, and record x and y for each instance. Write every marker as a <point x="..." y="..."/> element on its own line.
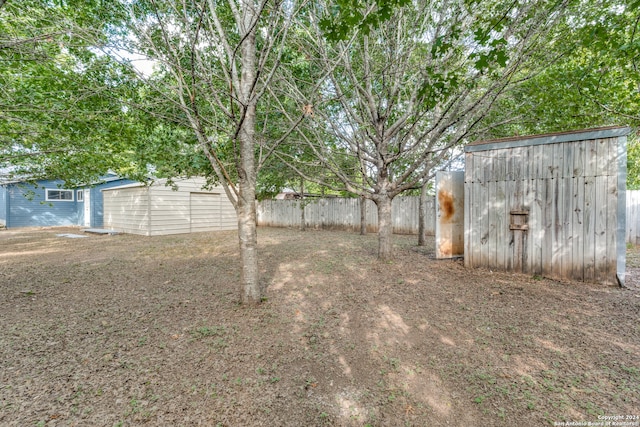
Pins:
<point x="26" y="205"/>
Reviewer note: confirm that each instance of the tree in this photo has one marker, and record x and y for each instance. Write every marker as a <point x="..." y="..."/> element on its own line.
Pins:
<point x="400" y="97"/>
<point x="593" y="80"/>
<point x="63" y="104"/>
<point x="215" y="63"/>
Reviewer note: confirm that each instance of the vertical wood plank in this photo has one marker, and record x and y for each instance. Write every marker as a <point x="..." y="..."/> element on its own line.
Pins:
<point x="538" y="164"/>
<point x="537" y="226"/>
<point x="567" y="168"/>
<point x="480" y="200"/>
<point x="591" y="158"/>
<point x="525" y="163"/>
<point x="476" y="220"/>
<point x="558" y="244"/>
<point x="490" y="249"/>
<point x="484" y="213"/>
<point x="621" y="161"/>
<point x="468" y="209"/>
<point x="546" y="191"/>
<point x="589" y="228"/>
<point x="501" y="215"/>
<point x="566" y="217"/>
<point x="577" y="225"/>
<point x="557" y="161"/>
<point x="600" y="227"/>
<point x="509" y="242"/>
<point x="602" y="155"/>
<point x="513" y="170"/>
<point x="578" y="158"/>
<point x="607" y="267"/>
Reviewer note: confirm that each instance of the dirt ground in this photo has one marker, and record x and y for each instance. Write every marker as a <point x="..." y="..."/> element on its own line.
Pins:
<point x="129" y="330"/>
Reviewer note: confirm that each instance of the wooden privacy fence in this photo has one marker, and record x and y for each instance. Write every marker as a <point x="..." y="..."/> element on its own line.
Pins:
<point x="632" y="234"/>
<point x="343" y="214"/>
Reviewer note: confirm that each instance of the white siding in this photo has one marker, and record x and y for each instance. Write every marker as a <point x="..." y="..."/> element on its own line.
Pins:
<point x="127" y="210"/>
<point x="161" y="210"/>
<point x="205" y="212"/>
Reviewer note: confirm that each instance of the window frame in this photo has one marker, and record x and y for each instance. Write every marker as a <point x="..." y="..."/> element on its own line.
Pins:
<point x="48" y="199"/>
<point x="80" y="195"/>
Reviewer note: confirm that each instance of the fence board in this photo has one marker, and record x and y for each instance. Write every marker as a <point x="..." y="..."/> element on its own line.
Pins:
<point x="343" y="214"/>
<point x="566" y="218"/>
<point x="578" y="228"/>
<point x="589" y="228"/>
<point x="633" y="217"/>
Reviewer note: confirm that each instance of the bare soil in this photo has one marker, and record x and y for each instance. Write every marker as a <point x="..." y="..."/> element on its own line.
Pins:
<point x="129" y="330"/>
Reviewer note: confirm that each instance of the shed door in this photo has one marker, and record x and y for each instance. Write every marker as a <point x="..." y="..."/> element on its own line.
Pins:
<point x="205" y="212"/>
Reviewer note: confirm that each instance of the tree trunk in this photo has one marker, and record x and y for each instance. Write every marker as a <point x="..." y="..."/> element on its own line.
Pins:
<point x="363" y="216"/>
<point x="303" y="225"/>
<point x="247" y="232"/>
<point x="422" y="216"/>
<point x="247" y="228"/>
<point x="385" y="227"/>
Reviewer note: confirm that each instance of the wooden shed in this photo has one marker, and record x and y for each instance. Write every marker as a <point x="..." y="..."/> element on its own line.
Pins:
<point x="158" y="209"/>
<point x="550" y="205"/>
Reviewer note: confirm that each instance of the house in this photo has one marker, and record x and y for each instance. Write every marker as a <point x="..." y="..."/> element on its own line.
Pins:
<point x="158" y="209"/>
<point x="51" y="203"/>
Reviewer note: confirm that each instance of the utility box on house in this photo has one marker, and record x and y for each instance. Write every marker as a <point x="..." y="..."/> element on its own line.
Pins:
<point x="550" y="205"/>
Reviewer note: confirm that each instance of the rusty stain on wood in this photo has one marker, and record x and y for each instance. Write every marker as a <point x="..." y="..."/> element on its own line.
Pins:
<point x="449" y="214"/>
<point x="445" y="198"/>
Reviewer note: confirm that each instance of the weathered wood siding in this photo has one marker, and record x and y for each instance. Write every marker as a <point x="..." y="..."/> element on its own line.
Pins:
<point x="551" y="205"/>
<point x="160" y="210"/>
<point x="343" y="214"/>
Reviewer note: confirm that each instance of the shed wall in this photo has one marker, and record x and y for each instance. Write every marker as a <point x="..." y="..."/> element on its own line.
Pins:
<point x="552" y="208"/>
<point x="127" y="210"/>
<point x="171" y="210"/>
<point x="160" y="210"/>
<point x="96" y="201"/>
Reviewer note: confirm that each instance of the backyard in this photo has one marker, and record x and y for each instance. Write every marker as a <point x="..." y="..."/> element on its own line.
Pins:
<point x="128" y="330"/>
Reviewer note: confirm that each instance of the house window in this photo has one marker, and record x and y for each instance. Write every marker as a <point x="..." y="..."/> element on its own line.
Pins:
<point x="59" y="195"/>
<point x="80" y="195"/>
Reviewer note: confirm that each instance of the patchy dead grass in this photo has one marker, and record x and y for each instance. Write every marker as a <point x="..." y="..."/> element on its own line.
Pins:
<point x="129" y="330"/>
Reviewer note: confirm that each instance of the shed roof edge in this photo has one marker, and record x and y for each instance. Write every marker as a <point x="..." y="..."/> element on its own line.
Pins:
<point x="548" y="138"/>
